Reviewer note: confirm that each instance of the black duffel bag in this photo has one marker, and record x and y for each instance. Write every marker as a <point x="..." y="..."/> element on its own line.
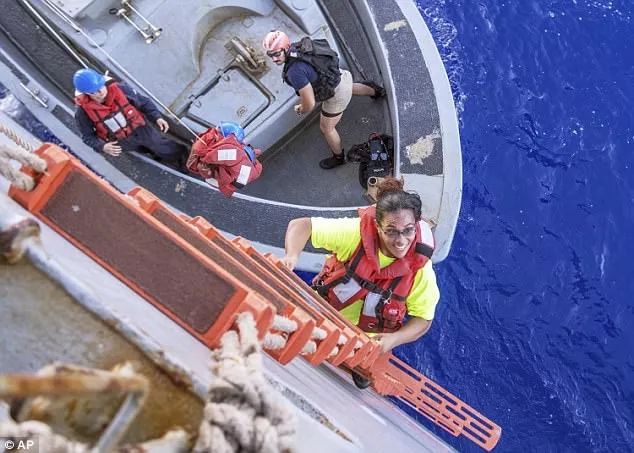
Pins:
<point x="375" y="157"/>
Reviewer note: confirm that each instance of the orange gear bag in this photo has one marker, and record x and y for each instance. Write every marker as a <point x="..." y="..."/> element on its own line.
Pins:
<point x="224" y="162"/>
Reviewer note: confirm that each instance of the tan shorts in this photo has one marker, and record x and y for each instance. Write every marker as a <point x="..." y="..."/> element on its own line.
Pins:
<point x="343" y="93"/>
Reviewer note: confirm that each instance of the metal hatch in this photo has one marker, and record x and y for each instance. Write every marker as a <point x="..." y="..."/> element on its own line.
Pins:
<point x="235" y="94"/>
<point x="234" y="97"/>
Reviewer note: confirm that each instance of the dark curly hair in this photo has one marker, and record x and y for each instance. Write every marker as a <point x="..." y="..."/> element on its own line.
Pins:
<point x="391" y="197"/>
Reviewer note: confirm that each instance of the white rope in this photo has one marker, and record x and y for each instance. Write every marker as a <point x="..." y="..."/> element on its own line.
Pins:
<point x="273" y="341"/>
<point x="17" y="139"/>
<point x="341" y="341"/>
<point x="41" y="436"/>
<point x="318" y="334"/>
<point x="309" y="348"/>
<point x="243" y="413"/>
<point x="276" y="341"/>
<point x="355" y="349"/>
<point x="15" y="176"/>
<point x="283" y="324"/>
<point x="24" y="157"/>
<point x="45" y="441"/>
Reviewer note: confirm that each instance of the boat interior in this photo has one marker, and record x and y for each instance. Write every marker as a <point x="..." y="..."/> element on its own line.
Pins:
<point x="201" y="62"/>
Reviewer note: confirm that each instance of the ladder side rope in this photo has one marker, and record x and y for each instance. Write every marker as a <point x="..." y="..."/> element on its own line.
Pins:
<point x="276" y="341"/>
<point x="15" y="176"/>
<point x="273" y="342"/>
<point x="37" y="431"/>
<point x="318" y="334"/>
<point x="24" y="157"/>
<point x="340" y="342"/>
<point x="243" y="413"/>
<point x="283" y="324"/>
<point x="16" y="138"/>
<point x="309" y="348"/>
<point x="357" y="346"/>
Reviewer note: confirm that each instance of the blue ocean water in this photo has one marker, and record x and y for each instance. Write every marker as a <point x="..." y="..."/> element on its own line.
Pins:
<point x="534" y="325"/>
<point x="532" y="328"/>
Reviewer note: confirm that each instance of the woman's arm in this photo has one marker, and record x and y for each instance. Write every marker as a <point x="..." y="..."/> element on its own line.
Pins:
<point x="297" y="235"/>
<point x="411" y="331"/>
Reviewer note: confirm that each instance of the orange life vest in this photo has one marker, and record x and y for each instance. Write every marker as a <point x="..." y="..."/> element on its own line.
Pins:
<point x="115" y="118"/>
<point x="383" y="291"/>
<point x="224" y="162"/>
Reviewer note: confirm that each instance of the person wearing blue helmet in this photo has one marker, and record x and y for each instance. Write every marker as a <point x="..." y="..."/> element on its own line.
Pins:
<point x="113" y="118"/>
<point x="228" y="127"/>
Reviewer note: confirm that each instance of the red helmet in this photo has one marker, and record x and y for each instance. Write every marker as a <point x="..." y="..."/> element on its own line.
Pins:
<point x="276" y="40"/>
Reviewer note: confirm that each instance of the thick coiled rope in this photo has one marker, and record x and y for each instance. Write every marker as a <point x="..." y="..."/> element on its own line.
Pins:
<point x="21" y="153"/>
<point x="243" y="413"/>
<point x="15" y="138"/>
<point x="44" y="440"/>
<point x="15" y="176"/>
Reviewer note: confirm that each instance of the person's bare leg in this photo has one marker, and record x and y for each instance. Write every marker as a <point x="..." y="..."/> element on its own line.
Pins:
<point x="327" y="125"/>
<point x="359" y="89"/>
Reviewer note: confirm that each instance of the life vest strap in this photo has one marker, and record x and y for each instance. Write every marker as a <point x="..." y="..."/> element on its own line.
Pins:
<point x="322" y="289"/>
<point x="385" y="293"/>
<point x="363" y="283"/>
<point x="379" y="307"/>
<point x="424" y="249"/>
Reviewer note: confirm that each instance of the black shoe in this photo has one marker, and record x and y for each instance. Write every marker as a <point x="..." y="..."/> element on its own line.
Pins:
<point x="360" y="381"/>
<point x="379" y="91"/>
<point x="333" y="161"/>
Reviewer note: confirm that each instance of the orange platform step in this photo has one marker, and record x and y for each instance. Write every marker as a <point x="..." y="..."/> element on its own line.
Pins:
<point x="324" y="347"/>
<point x="140" y="251"/>
<point x="243" y="271"/>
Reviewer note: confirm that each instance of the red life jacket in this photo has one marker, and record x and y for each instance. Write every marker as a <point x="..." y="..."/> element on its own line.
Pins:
<point x="384" y="290"/>
<point x="116" y="118"/>
<point x="224" y="161"/>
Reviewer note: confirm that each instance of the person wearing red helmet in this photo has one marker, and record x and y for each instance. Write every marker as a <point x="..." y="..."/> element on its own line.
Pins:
<point x="311" y="67"/>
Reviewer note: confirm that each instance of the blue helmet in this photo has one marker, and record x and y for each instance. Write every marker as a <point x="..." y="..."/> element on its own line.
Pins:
<point x="227" y="127"/>
<point x="88" y="81"/>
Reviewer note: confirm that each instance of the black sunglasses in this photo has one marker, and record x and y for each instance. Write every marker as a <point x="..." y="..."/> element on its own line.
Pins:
<point x="393" y="233"/>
